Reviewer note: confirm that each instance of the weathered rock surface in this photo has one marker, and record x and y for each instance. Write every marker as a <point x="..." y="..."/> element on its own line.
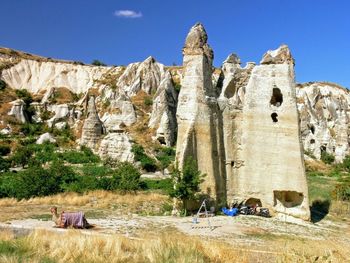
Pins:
<point x="163" y="116"/>
<point x="324" y="118"/>
<point x="36" y="76"/>
<point x="17" y="111"/>
<point x="268" y="168"/>
<point x="117" y="145"/>
<point x="92" y="128"/>
<point x="144" y="76"/>
<point x="46" y="137"/>
<point x="198" y="116"/>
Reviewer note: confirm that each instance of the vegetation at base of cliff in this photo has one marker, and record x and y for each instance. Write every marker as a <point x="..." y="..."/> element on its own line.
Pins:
<point x="2" y="85"/>
<point x="147" y="163"/>
<point x="186" y="182"/>
<point x="327" y="157"/>
<point x="329" y="189"/>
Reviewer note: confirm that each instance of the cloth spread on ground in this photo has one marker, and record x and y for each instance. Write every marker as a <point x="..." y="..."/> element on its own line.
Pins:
<point x="74" y="219"/>
<point x="230" y="212"/>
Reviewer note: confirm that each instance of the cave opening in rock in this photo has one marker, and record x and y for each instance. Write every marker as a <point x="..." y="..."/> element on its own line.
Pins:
<point x="288" y="198"/>
<point x="312" y="129"/>
<point x="312" y="141"/>
<point x="277" y="97"/>
<point x="274" y="117"/>
<point x="253" y="202"/>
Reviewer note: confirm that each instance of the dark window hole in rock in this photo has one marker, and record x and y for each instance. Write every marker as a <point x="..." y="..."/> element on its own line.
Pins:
<point x="274" y="117"/>
<point x="277" y="97"/>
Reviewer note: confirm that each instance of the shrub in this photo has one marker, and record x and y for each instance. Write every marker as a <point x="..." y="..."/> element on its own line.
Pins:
<point x="2" y="85"/>
<point x="22" y="156"/>
<point x="147" y="163"/>
<point x="346" y="163"/>
<point x="4" y="149"/>
<point x="126" y="178"/>
<point x="4" y="164"/>
<point x="166" y="156"/>
<point x="31" y="129"/>
<point x="166" y="185"/>
<point x="315" y="173"/>
<point x="96" y="62"/>
<point x="342" y="190"/>
<point x="85" y="155"/>
<point x="148" y="101"/>
<point x="186" y="182"/>
<point x="177" y="87"/>
<point x="327" y="157"/>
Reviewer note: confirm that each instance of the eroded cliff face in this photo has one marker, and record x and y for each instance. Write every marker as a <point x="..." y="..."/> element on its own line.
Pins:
<point x="324" y="118"/>
<point x="198" y="116"/>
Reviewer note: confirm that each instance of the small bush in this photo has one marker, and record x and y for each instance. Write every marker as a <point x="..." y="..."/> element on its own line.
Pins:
<point x="4" y="164"/>
<point x="342" y="191"/>
<point x="22" y="156"/>
<point x="85" y="155"/>
<point x="166" y="185"/>
<point x="177" y="87"/>
<point x="126" y="178"/>
<point x="96" y="62"/>
<point x="2" y="85"/>
<point x="327" y="157"/>
<point x="147" y="163"/>
<point x="31" y="129"/>
<point x="4" y="149"/>
<point x="148" y="101"/>
<point x="166" y="156"/>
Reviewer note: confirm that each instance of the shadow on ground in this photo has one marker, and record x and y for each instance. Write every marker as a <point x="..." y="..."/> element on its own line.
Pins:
<point x="319" y="210"/>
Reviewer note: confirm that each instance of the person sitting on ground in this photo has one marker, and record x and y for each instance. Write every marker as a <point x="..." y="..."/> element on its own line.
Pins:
<point x="69" y="219"/>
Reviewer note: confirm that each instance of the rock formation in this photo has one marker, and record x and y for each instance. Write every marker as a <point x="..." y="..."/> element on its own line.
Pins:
<point x="198" y="116"/>
<point x="92" y="128"/>
<point x="268" y="168"/>
<point x="324" y="115"/>
<point x="163" y="116"/>
<point x="17" y="111"/>
<point x="117" y="145"/>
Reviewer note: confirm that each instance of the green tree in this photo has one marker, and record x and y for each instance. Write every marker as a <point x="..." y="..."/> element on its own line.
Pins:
<point x="147" y="163"/>
<point x="186" y="182"/>
<point x="22" y="156"/>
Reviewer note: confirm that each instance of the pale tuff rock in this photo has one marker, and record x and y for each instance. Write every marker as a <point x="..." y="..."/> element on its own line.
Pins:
<point x="17" y="111"/>
<point x="127" y="116"/>
<point x="6" y="131"/>
<point x="279" y="56"/>
<point x="61" y="112"/>
<point x="46" y="137"/>
<point x="36" y="76"/>
<point x="92" y="128"/>
<point x="163" y="116"/>
<point x="117" y="145"/>
<point x="268" y="168"/>
<point x="61" y="125"/>
<point x="198" y="116"/>
<point x="324" y="115"/>
<point x="196" y="43"/>
<point x="144" y="76"/>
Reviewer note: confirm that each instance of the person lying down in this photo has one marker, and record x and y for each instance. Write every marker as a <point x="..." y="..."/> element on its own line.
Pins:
<point x="69" y="219"/>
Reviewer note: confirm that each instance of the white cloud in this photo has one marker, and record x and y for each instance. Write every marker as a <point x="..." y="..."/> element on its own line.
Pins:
<point x="128" y="14"/>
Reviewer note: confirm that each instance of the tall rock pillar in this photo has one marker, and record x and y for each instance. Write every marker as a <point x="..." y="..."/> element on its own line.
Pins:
<point x="272" y="171"/>
<point x="198" y="116"/>
<point x="92" y="128"/>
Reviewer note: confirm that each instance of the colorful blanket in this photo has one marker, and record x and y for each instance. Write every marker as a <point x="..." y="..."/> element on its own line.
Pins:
<point x="74" y="219"/>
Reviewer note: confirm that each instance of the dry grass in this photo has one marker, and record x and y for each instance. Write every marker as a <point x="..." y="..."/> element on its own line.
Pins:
<point x="163" y="246"/>
<point x="93" y="202"/>
<point x="316" y="165"/>
<point x="73" y="246"/>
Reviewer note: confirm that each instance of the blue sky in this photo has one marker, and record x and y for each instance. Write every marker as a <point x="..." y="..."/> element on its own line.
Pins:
<point x="317" y="31"/>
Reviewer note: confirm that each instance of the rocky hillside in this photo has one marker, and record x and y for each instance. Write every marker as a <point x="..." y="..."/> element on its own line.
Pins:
<point x="111" y="108"/>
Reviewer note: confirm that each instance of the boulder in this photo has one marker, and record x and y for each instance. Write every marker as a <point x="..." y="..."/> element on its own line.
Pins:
<point x="117" y="145"/>
<point x="46" y="137"/>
